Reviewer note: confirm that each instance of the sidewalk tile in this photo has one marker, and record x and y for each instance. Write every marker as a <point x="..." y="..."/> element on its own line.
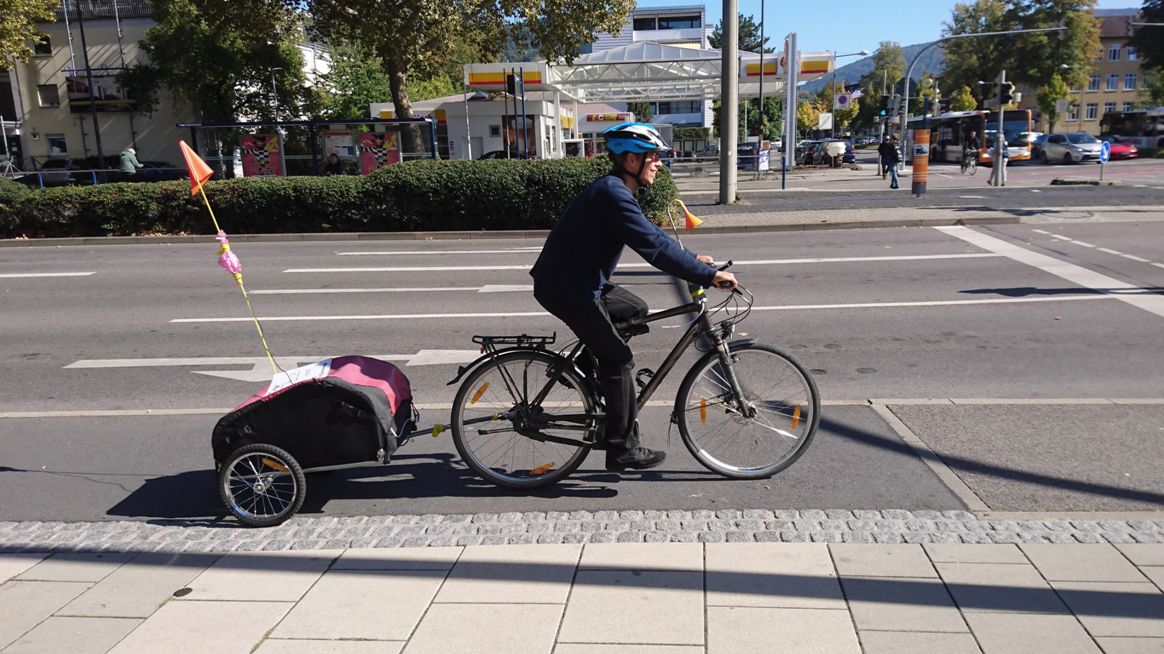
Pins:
<point x="373" y="604"/>
<point x="1156" y="574"/>
<point x="912" y="642"/>
<point x="788" y="575"/>
<point x="74" y="635"/>
<point x="1137" y="553"/>
<point x="976" y="553"/>
<point x="1012" y="633"/>
<point x="1092" y="562"/>
<point x="478" y="628"/>
<point x="504" y="574"/>
<point x="14" y="564"/>
<point x="400" y="558"/>
<point x="139" y="587"/>
<point x="667" y="607"/>
<point x="199" y="627"/>
<point x="271" y="577"/>
<point x="278" y="646"/>
<point x="731" y="630"/>
<point x="1113" y="609"/>
<point x="75" y="566"/>
<point x="901" y="605"/>
<point x="642" y="556"/>
<point x="999" y="588"/>
<point x="1131" y="645"/>
<point x="866" y="560"/>
<point x="24" y="604"/>
<point x="568" y="648"/>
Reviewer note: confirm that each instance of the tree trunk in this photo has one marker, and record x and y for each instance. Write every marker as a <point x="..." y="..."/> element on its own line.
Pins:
<point x="410" y="141"/>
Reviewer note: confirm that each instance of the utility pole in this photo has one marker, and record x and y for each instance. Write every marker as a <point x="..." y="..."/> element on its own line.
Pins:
<point x="996" y="171"/>
<point x="760" y="138"/>
<point x="730" y="108"/>
<point x="89" y="83"/>
<point x="278" y="131"/>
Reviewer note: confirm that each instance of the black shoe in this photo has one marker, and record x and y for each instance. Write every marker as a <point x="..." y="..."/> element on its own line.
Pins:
<point x="639" y="458"/>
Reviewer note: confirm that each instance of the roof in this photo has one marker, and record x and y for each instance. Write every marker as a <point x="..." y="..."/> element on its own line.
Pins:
<point x="1113" y="23"/>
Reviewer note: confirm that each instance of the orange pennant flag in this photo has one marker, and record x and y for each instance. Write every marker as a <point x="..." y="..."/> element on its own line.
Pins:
<point x="691" y="221"/>
<point x="199" y="171"/>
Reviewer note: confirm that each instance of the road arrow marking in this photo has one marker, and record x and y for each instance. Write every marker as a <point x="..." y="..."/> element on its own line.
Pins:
<point x="506" y="288"/>
<point x="60" y="274"/>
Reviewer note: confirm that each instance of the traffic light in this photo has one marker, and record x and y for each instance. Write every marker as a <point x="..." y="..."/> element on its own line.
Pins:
<point x="883" y="108"/>
<point x="1006" y="94"/>
<point x="943" y="105"/>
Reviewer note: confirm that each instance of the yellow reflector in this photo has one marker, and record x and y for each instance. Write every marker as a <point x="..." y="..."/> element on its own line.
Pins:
<point x="274" y="465"/>
<point x="479" y="393"/>
<point x="796" y="416"/>
<point x="702" y="409"/>
<point x="542" y="469"/>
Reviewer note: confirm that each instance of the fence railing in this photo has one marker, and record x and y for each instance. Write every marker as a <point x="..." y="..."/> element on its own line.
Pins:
<point x="104" y="9"/>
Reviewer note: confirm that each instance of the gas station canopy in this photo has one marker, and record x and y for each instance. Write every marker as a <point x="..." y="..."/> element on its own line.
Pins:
<point x="647" y="71"/>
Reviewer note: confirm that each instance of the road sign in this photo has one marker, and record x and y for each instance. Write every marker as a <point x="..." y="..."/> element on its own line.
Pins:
<point x="841" y="101"/>
<point x="1105" y="152"/>
<point x="1061" y="106"/>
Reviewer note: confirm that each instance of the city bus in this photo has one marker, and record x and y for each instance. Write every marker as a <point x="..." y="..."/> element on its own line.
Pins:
<point x="1144" y="129"/>
<point x="948" y="133"/>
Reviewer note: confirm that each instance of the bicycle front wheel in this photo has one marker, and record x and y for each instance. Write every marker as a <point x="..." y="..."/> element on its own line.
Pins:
<point x="972" y="167"/>
<point x="777" y="420"/>
<point x="500" y="432"/>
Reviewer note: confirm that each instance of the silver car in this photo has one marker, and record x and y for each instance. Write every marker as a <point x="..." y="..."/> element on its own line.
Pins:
<point x="1070" y="148"/>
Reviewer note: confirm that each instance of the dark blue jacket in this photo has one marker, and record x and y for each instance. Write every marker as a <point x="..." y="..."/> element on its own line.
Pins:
<point x="584" y="246"/>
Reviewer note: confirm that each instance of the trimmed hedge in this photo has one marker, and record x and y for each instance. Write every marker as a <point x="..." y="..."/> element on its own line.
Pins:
<point x="415" y="196"/>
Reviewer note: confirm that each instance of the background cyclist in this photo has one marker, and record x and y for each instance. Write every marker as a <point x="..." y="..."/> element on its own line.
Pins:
<point x="572" y="277"/>
<point x="970" y="148"/>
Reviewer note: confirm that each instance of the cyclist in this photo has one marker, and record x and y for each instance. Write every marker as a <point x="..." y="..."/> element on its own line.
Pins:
<point x="970" y="149"/>
<point x="572" y="277"/>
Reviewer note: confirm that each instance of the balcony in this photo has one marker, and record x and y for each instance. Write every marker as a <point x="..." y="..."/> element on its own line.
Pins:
<point x="105" y="9"/>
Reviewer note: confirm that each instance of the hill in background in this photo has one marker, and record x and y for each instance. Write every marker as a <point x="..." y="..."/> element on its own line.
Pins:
<point x="933" y="61"/>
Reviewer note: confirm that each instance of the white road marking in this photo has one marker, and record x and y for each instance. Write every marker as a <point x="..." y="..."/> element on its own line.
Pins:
<point x="1135" y="258"/>
<point x="58" y="274"/>
<point x="1083" y="243"/>
<point x="423" y="252"/>
<point x="1149" y="302"/>
<point x="1040" y="231"/>
<point x="972" y="197"/>
<point x="792" y="307"/>
<point x="506" y="288"/>
<point x="1109" y="251"/>
<point x="758" y="262"/>
<point x="1158" y="265"/>
<point x="304" y="291"/>
<point x="1061" y="238"/>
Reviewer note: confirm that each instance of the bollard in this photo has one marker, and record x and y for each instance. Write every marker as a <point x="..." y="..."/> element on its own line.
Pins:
<point x="921" y="161"/>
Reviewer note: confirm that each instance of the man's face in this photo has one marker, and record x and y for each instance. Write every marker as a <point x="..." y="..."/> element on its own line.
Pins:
<point x="650" y="168"/>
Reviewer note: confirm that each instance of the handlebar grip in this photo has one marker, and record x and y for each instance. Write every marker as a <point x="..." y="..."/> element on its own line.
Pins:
<point x="725" y="266"/>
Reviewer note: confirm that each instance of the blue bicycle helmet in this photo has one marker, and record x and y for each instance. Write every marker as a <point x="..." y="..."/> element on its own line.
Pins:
<point x="634" y="137"/>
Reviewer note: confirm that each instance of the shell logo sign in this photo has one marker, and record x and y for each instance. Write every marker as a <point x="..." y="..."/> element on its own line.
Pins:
<point x="599" y="118"/>
<point x="812" y="64"/>
<point x="497" y="79"/>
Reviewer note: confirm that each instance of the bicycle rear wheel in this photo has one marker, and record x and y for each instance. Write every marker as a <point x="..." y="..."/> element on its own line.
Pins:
<point x="972" y="166"/>
<point x="497" y="431"/>
<point x="780" y="395"/>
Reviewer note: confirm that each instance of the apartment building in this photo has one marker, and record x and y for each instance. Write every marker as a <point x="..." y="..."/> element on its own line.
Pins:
<point x="684" y="26"/>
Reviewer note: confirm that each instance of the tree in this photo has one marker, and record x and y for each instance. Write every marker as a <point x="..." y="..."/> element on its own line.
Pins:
<point x="1152" y="90"/>
<point x="19" y="26"/>
<point x="807" y="116"/>
<point x="1048" y="96"/>
<point x="356" y="80"/>
<point x="1149" y="41"/>
<point x="750" y="121"/>
<point x="824" y="102"/>
<point x="419" y="37"/>
<point x="641" y="110"/>
<point x="963" y="100"/>
<point x="220" y="55"/>
<point x="1031" y="59"/>
<point x="888" y="68"/>
<point x="748" y="36"/>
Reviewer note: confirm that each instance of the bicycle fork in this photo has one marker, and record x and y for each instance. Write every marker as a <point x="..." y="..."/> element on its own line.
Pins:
<point x="743" y="407"/>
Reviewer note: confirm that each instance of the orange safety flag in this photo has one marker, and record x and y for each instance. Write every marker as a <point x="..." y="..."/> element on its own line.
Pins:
<point x="199" y="171"/>
<point x="691" y="221"/>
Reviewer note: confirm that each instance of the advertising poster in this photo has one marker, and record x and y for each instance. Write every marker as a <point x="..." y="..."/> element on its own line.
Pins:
<point x="107" y="94"/>
<point x="260" y="155"/>
<point x="378" y="150"/>
<point x="339" y="143"/>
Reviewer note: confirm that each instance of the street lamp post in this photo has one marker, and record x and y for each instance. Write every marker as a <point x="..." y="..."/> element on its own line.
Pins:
<point x="275" y="115"/>
<point x="863" y="53"/>
<point x="1082" y="90"/>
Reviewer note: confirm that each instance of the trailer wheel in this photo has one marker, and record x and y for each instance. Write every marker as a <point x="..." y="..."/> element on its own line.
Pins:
<point x="262" y="485"/>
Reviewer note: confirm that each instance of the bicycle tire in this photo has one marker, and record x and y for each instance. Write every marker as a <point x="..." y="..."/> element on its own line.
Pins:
<point x="788" y="392"/>
<point x="262" y="485"/>
<point x="972" y="167"/>
<point x="484" y="394"/>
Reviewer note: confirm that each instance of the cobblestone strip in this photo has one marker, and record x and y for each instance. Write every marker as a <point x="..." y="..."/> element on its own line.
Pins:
<point x="706" y="526"/>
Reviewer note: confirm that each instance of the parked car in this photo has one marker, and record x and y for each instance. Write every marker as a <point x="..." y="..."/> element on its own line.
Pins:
<point x="1074" y="147"/>
<point x="1037" y="147"/>
<point x="1121" y="149"/>
<point x="53" y="172"/>
<point x="500" y="154"/>
<point x="157" y="171"/>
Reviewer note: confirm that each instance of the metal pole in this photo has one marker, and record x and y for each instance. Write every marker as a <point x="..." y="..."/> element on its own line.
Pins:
<point x="999" y="160"/>
<point x="730" y="106"/>
<point x="760" y="139"/>
<point x="278" y="131"/>
<point x="791" y="71"/>
<point x="524" y="125"/>
<point x="89" y="81"/>
<point x="468" y="130"/>
<point x="833" y="126"/>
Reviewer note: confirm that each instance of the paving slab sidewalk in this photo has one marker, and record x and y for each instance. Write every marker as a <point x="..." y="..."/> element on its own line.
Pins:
<point x="632" y="598"/>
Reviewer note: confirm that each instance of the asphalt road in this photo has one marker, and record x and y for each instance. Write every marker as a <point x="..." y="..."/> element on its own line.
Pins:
<point x="1001" y="349"/>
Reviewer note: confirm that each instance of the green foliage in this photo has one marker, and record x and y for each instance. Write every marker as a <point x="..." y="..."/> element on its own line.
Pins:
<point x="19" y="26"/>
<point x="1149" y="41"/>
<point x="416" y="196"/>
<point x="750" y="112"/>
<point x="641" y="110"/>
<point x="356" y="80"/>
<point x="888" y="68"/>
<point x="963" y="100"/>
<point x="748" y="36"/>
<point x="1152" y="90"/>
<point x="1048" y="95"/>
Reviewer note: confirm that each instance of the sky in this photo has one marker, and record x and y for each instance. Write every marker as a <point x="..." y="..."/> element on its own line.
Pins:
<point x="847" y="25"/>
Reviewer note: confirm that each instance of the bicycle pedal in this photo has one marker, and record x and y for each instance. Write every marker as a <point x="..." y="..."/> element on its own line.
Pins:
<point x="644" y="376"/>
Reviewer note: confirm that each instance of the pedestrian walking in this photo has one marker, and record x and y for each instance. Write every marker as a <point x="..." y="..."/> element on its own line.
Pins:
<point x="128" y="163"/>
<point x="890" y="158"/>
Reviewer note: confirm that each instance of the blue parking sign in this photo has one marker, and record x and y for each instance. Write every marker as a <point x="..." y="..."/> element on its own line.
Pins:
<point x="1104" y="152"/>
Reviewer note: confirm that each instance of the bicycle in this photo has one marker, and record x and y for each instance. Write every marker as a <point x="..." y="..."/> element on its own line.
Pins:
<point x="969" y="162"/>
<point x="526" y="416"/>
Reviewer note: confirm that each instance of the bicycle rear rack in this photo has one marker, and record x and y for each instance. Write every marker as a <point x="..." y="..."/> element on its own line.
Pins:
<point x="490" y="343"/>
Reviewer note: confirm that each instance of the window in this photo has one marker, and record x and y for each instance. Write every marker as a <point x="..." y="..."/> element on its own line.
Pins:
<point x="1092" y="111"/>
<point x="48" y="95"/>
<point x="1113" y="82"/>
<point x="680" y="107"/>
<point x="495" y="130"/>
<point x="678" y="22"/>
<point x="1073" y="112"/>
<point x="1113" y="53"/>
<point x="56" y="144"/>
<point x="1131" y="53"/>
<point x="1109" y="107"/>
<point x="1129" y="106"/>
<point x="1130" y="82"/>
<point x="43" y="47"/>
<point x="644" y="23"/>
<point x="1093" y="82"/>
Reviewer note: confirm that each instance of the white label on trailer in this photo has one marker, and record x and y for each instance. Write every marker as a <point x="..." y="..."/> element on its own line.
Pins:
<point x="286" y="378"/>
